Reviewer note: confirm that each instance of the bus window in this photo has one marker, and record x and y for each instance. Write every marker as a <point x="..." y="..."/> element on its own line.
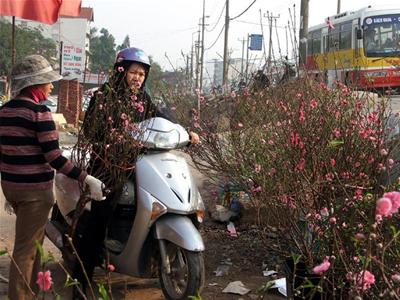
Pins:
<point x="345" y="36"/>
<point x="333" y="42"/>
<point x="309" y="44"/>
<point x="316" y="41"/>
<point x="381" y="37"/>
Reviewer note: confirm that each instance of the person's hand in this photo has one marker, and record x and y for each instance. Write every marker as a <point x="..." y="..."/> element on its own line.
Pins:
<point x="8" y="208"/>
<point x="194" y="137"/>
<point x="96" y="188"/>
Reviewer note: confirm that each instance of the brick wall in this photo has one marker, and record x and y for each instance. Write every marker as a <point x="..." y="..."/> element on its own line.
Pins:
<point x="69" y="100"/>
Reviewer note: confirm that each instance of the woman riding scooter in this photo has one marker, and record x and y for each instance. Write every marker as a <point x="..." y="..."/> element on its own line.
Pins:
<point x="131" y="71"/>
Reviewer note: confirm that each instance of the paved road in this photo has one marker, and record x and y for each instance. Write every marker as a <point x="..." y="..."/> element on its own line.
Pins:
<point x="395" y="103"/>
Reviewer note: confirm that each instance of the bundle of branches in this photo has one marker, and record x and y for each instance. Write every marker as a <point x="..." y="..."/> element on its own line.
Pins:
<point x="105" y="146"/>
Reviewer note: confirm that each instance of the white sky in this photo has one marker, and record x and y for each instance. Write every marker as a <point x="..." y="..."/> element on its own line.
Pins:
<point x="170" y="26"/>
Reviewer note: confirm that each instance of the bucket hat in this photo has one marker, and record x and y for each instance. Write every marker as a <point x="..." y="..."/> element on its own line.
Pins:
<point x="32" y="70"/>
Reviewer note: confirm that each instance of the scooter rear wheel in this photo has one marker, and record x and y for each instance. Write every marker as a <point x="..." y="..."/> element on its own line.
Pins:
<point x="187" y="273"/>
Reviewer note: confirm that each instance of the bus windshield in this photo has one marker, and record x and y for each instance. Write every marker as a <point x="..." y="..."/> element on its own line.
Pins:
<point x="382" y="36"/>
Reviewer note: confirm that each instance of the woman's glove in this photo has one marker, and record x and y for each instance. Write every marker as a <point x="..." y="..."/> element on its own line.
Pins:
<point x="96" y="188"/>
<point x="8" y="208"/>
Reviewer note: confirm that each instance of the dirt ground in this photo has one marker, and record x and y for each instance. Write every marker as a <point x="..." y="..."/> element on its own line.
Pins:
<point x="241" y="258"/>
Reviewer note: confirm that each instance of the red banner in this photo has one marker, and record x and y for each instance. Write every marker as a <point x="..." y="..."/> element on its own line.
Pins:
<point x="45" y="11"/>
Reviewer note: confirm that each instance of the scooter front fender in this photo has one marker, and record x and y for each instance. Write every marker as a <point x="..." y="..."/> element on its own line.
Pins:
<point x="180" y="231"/>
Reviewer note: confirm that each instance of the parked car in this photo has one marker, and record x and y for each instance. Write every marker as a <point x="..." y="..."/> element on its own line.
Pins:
<point x="51" y="103"/>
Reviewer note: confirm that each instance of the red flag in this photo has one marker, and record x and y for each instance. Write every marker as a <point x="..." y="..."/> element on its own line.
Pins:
<point x="330" y="24"/>
<point x="45" y="11"/>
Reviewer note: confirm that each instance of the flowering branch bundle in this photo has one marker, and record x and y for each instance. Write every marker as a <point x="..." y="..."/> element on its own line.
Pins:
<point x="106" y="135"/>
<point x="317" y="159"/>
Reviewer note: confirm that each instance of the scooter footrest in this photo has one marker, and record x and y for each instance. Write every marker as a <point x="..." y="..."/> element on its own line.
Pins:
<point x="114" y="245"/>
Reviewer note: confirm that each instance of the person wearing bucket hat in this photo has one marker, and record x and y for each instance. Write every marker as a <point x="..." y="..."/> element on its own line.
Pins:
<point x="29" y="154"/>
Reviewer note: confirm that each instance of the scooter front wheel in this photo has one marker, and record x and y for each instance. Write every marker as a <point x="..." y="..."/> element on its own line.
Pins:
<point x="186" y="276"/>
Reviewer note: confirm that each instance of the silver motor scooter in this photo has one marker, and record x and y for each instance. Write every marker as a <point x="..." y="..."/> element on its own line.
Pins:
<point x="154" y="228"/>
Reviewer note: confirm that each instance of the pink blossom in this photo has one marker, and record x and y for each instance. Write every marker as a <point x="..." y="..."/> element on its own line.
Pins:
<point x="360" y="236"/>
<point x="323" y="267"/>
<point x="396" y="277"/>
<point x="301" y="164"/>
<point x="173" y="108"/>
<point x="383" y="207"/>
<point x="324" y="212"/>
<point x="124" y="116"/>
<point x="383" y="152"/>
<point x="333" y="162"/>
<point x="257" y="168"/>
<point x="313" y="103"/>
<point x="120" y="69"/>
<point x="332" y="220"/>
<point x="394" y="199"/>
<point x="331" y="26"/>
<point x="301" y="116"/>
<point x="134" y="97"/>
<point x="139" y="106"/>
<point x="44" y="280"/>
<point x="100" y="106"/>
<point x="240" y="125"/>
<point x="110" y="268"/>
<point x="336" y="133"/>
<point x="257" y="189"/>
<point x="365" y="279"/>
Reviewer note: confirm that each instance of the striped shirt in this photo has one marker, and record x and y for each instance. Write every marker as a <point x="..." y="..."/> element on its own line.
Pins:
<point x="29" y="147"/>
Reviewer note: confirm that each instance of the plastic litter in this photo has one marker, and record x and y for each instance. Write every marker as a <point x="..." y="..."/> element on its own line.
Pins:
<point x="236" y="287"/>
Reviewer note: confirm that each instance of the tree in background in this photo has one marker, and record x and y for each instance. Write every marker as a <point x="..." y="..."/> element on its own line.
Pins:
<point x="102" y="49"/>
<point x="154" y="82"/>
<point x="37" y="45"/>
<point x="125" y="44"/>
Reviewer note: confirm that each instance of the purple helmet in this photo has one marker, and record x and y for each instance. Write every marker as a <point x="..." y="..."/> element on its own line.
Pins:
<point x="133" y="54"/>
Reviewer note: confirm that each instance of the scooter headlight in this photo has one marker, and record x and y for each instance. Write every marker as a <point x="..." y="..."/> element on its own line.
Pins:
<point x="200" y="208"/>
<point x="166" y="140"/>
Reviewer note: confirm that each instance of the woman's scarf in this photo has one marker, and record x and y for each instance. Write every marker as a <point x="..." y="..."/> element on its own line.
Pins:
<point x="34" y="93"/>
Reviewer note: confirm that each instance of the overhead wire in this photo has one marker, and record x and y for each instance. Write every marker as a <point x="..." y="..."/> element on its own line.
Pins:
<point x="243" y="11"/>
<point x="219" y="18"/>
<point x="222" y="29"/>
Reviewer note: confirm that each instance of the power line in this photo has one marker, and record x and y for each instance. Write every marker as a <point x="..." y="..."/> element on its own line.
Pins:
<point x="243" y="11"/>
<point x="222" y="29"/>
<point x="263" y="24"/>
<point x="219" y="18"/>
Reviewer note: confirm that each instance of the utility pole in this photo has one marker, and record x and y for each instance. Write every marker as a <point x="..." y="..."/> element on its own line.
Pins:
<point x="247" y="56"/>
<point x="338" y="6"/>
<point x="202" y="46"/>
<point x="242" y="61"/>
<point x="197" y="45"/>
<point x="226" y="58"/>
<point x="191" y="65"/>
<point x="303" y="32"/>
<point x="270" y="17"/>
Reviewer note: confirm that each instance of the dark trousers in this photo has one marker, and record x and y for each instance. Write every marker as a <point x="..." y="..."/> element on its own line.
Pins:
<point x="89" y="238"/>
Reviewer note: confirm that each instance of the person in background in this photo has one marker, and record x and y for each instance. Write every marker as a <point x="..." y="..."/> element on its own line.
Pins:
<point x="261" y="81"/>
<point x="131" y="71"/>
<point x="29" y="154"/>
<point x="370" y="40"/>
